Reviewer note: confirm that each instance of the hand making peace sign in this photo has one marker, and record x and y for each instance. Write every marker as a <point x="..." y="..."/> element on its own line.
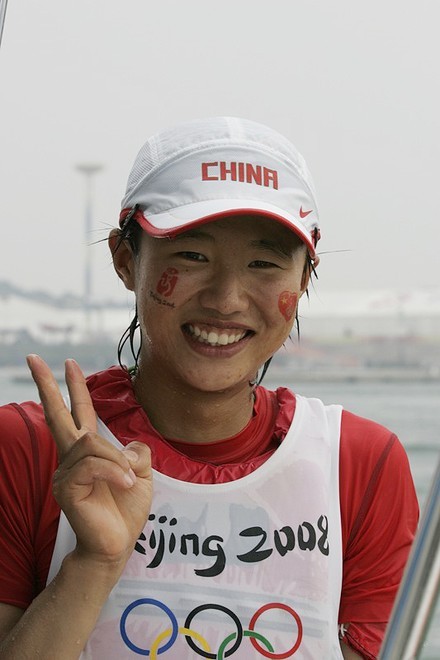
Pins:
<point x="104" y="492"/>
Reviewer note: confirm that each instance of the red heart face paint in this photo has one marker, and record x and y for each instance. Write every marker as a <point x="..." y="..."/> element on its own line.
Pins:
<point x="167" y="282"/>
<point x="287" y="304"/>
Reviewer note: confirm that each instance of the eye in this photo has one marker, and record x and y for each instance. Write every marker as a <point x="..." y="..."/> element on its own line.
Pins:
<point x="192" y="256"/>
<point x="259" y="263"/>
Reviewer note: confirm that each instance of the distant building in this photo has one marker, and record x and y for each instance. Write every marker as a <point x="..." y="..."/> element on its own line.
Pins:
<point x="380" y="313"/>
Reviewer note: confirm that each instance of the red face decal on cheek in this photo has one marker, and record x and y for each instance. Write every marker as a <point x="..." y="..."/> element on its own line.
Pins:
<point x="287" y="304"/>
<point x="167" y="282"/>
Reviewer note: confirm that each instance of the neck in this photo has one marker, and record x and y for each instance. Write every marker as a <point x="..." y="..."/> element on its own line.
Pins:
<point x="180" y="412"/>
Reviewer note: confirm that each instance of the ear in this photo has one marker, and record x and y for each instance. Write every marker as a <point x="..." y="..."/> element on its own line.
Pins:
<point x="309" y="267"/>
<point x="123" y="258"/>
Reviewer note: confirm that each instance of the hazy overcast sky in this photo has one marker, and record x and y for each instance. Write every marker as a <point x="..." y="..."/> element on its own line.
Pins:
<point x="355" y="85"/>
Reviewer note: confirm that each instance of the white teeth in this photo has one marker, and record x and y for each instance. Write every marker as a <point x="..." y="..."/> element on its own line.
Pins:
<point x="213" y="338"/>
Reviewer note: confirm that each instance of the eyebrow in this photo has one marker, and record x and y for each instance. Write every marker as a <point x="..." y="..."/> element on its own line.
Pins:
<point x="192" y="233"/>
<point x="274" y="246"/>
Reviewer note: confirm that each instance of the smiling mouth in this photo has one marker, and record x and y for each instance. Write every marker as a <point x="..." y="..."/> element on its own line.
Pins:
<point x="215" y="336"/>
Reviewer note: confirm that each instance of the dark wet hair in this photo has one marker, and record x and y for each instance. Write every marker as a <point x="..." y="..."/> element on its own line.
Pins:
<point x="131" y="231"/>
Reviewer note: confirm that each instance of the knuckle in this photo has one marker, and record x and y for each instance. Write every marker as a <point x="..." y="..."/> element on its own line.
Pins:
<point x="53" y="412"/>
<point x="87" y="436"/>
<point x="140" y="448"/>
<point x="56" y="476"/>
<point x="57" y="481"/>
<point x="89" y="463"/>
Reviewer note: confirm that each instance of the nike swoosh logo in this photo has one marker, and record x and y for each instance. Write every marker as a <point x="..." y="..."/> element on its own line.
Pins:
<point x="304" y="214"/>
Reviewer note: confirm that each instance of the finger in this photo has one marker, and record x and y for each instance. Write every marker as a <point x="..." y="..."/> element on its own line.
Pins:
<point x="81" y="404"/>
<point x="76" y="483"/>
<point x="58" y="417"/>
<point x="91" y="444"/>
<point x="142" y="464"/>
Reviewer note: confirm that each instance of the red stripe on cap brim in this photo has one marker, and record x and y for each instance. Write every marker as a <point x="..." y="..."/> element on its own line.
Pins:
<point x="170" y="232"/>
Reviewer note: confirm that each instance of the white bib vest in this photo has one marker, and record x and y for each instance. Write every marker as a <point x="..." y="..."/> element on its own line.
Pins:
<point x="246" y="570"/>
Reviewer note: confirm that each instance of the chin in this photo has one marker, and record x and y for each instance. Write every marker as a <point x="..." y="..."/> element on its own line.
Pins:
<point x="218" y="384"/>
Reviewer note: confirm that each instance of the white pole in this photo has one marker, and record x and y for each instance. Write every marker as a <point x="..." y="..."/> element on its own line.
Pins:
<point x="3" y="5"/>
<point x="89" y="170"/>
<point x="418" y="592"/>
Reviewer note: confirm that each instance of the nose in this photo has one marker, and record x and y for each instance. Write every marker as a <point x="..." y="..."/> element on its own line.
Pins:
<point x="225" y="292"/>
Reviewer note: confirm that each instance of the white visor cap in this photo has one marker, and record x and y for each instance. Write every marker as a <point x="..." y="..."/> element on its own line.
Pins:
<point x="206" y="169"/>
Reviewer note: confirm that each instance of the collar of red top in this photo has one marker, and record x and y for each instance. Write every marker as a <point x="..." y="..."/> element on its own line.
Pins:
<point x="113" y="396"/>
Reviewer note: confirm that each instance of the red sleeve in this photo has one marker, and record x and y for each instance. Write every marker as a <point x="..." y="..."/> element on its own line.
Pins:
<point x="379" y="512"/>
<point x="28" y="512"/>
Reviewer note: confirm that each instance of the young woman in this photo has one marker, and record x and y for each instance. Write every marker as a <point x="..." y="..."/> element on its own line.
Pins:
<point x="193" y="513"/>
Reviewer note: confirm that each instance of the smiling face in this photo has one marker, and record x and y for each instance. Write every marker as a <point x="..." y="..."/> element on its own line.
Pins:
<point x="215" y="302"/>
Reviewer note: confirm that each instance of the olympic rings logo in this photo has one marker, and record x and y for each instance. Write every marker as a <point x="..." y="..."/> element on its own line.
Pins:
<point x="199" y="644"/>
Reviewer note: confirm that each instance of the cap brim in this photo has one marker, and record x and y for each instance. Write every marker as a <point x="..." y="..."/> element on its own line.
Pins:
<point x="170" y="223"/>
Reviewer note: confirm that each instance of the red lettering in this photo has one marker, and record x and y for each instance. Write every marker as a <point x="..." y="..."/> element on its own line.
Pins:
<point x="270" y="175"/>
<point x="224" y="171"/>
<point x="253" y="174"/>
<point x="242" y="172"/>
<point x="205" y="173"/>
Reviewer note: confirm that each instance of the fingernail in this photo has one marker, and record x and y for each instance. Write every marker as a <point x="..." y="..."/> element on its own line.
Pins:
<point x="130" y="477"/>
<point x="30" y="358"/>
<point x="71" y="365"/>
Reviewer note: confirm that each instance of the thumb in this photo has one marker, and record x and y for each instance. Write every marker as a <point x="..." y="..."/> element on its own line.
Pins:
<point x="139" y="456"/>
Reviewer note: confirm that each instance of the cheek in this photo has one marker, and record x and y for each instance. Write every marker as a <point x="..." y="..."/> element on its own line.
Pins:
<point x="167" y="282"/>
<point x="287" y="301"/>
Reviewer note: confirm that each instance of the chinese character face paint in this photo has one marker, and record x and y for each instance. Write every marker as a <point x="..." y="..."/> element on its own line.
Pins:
<point x="287" y="301"/>
<point x="167" y="282"/>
